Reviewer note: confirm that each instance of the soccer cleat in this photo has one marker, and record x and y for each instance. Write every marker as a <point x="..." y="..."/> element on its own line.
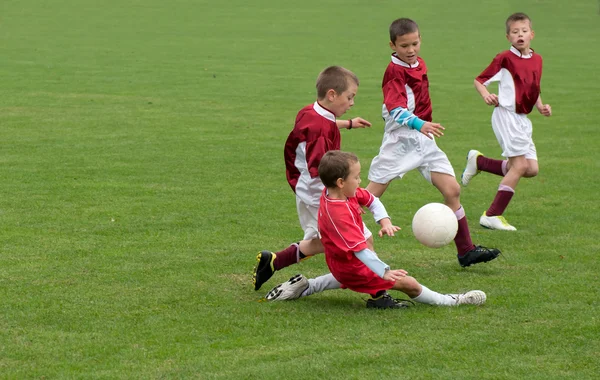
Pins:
<point x="264" y="269"/>
<point x="473" y="297"/>
<point x="289" y="290"/>
<point x="386" y="301"/>
<point x="477" y="255"/>
<point x="495" y="223"/>
<point x="471" y="168"/>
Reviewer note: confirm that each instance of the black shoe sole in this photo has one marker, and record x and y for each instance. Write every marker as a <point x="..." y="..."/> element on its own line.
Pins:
<point x="263" y="270"/>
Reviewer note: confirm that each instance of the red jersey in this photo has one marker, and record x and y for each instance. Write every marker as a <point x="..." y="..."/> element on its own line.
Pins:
<point x="315" y="132"/>
<point x="342" y="234"/>
<point x="519" y="76"/>
<point x="407" y="86"/>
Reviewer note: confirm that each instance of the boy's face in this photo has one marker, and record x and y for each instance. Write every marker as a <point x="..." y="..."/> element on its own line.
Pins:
<point x="520" y="35"/>
<point x="340" y="103"/>
<point x="407" y="47"/>
<point x="351" y="183"/>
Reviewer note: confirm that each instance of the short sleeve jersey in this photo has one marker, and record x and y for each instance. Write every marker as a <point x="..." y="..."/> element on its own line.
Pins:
<point x="407" y="86"/>
<point x="315" y="132"/>
<point x="342" y="234"/>
<point x="519" y="78"/>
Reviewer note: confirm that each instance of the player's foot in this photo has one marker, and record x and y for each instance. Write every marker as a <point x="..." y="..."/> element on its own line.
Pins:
<point x="477" y="255"/>
<point x="289" y="290"/>
<point x="264" y="269"/>
<point x="473" y="297"/>
<point x="386" y="301"/>
<point x="495" y="223"/>
<point x="471" y="168"/>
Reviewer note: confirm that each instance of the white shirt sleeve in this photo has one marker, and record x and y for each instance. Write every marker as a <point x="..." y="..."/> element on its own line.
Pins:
<point x="370" y="259"/>
<point x="378" y="210"/>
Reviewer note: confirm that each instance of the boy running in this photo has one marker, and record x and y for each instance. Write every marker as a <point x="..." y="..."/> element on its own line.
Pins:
<point x="315" y="132"/>
<point x="519" y="71"/>
<point x="408" y="141"/>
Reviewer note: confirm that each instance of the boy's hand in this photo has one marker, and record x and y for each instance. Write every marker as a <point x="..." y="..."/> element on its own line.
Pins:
<point x="394" y="274"/>
<point x="387" y="228"/>
<point x="359" y="122"/>
<point x="491" y="99"/>
<point x="430" y="129"/>
<point x="545" y="110"/>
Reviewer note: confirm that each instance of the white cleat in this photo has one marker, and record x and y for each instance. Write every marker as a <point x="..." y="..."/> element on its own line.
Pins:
<point x="471" y="168"/>
<point x="289" y="290"/>
<point x="473" y="297"/>
<point x="495" y="223"/>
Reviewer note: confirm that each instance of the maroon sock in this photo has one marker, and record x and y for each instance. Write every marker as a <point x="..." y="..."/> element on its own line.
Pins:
<point x="286" y="257"/>
<point x="500" y="202"/>
<point x="463" y="236"/>
<point x="490" y="165"/>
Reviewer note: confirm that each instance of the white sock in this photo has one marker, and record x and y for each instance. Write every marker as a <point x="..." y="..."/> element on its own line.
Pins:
<point x="430" y="297"/>
<point x="321" y="283"/>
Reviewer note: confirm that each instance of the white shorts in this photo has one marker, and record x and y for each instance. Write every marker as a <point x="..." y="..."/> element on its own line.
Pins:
<point x="308" y="220"/>
<point x="405" y="149"/>
<point x="514" y="133"/>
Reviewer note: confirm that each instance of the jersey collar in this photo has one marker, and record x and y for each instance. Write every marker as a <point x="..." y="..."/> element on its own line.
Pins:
<point x="516" y="52"/>
<point x="323" y="111"/>
<point x="400" y="62"/>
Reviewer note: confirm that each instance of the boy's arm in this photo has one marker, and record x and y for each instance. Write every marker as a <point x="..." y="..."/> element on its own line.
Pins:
<point x="370" y="259"/>
<point x="544" y="109"/>
<point x="381" y="216"/>
<point x="489" y="99"/>
<point x="402" y="116"/>
<point x="357" y="122"/>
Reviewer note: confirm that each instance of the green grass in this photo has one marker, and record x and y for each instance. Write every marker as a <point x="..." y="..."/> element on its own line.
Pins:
<point x="141" y="169"/>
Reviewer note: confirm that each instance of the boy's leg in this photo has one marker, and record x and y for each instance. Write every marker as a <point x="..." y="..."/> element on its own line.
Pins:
<point x="467" y="253"/>
<point x="269" y="262"/>
<point x="298" y="286"/>
<point x="492" y="218"/>
<point x="422" y="294"/>
<point x="377" y="189"/>
<point x="477" y="162"/>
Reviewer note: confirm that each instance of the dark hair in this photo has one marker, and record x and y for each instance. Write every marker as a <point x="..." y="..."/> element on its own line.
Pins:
<point x="516" y="17"/>
<point x="335" y="164"/>
<point x="401" y="27"/>
<point x="334" y="78"/>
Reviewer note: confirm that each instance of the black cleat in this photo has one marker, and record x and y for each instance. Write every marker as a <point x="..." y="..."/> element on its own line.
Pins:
<point x="386" y="301"/>
<point x="477" y="255"/>
<point x="264" y="269"/>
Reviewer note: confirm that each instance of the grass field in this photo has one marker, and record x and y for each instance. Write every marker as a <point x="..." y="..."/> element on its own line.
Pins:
<point x="141" y="170"/>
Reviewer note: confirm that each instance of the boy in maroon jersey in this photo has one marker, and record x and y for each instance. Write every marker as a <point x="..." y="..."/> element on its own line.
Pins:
<point x="408" y="140"/>
<point x="315" y="132"/>
<point x="519" y="71"/>
<point x="351" y="260"/>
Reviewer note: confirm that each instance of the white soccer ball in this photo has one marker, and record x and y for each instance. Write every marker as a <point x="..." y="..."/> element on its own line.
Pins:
<point x="435" y="225"/>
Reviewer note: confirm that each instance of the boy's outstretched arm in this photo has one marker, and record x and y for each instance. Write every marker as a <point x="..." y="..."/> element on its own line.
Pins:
<point x="403" y="116"/>
<point x="489" y="99"/>
<point x="357" y="122"/>
<point x="544" y="109"/>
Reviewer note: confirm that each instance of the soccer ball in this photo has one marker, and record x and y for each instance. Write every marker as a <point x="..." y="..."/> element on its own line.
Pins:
<point x="435" y="225"/>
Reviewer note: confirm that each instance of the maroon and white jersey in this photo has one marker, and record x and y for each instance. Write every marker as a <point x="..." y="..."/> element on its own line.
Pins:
<point x="315" y="133"/>
<point x="406" y="86"/>
<point x="519" y="76"/>
<point x="342" y="234"/>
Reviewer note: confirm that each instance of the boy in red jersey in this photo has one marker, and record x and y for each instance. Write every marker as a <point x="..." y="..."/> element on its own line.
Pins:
<point x="519" y="71"/>
<point x="408" y="140"/>
<point x="351" y="260"/>
<point x="315" y="132"/>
